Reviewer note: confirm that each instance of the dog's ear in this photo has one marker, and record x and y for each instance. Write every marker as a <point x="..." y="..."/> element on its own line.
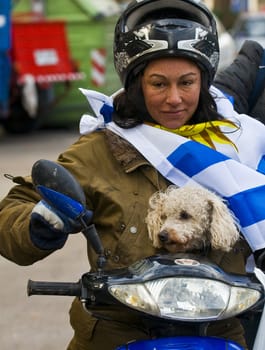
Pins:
<point x="153" y="218"/>
<point x="224" y="229"/>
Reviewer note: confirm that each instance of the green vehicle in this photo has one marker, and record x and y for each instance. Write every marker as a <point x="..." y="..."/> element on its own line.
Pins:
<point x="56" y="48"/>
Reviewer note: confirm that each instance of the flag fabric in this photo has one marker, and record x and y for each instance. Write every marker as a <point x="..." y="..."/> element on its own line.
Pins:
<point x="235" y="170"/>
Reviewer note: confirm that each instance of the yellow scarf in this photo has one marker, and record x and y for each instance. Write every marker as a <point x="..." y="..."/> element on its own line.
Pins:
<point x="206" y="133"/>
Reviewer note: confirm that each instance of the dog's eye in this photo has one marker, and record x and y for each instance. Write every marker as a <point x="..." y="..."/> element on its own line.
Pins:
<point x="184" y="215"/>
<point x="163" y="217"/>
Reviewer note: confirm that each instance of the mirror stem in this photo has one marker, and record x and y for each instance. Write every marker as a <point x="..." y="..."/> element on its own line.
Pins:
<point x="90" y="232"/>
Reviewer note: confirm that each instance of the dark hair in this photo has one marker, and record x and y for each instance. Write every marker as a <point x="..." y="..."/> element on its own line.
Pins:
<point x="130" y="109"/>
<point x="129" y="106"/>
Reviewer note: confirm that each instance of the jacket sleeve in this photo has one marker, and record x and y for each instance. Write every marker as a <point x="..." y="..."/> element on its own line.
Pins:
<point x="238" y="79"/>
<point x="15" y="209"/>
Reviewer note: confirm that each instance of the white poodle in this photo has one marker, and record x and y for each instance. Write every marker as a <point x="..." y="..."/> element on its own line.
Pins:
<point x="190" y="218"/>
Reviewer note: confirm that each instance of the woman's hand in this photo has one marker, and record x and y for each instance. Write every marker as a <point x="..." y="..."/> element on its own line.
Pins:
<point x="49" y="228"/>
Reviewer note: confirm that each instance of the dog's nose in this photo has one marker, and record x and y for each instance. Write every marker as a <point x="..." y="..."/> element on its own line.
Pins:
<point x="163" y="236"/>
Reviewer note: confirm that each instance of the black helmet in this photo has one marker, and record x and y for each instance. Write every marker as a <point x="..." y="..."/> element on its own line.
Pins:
<point x="150" y="29"/>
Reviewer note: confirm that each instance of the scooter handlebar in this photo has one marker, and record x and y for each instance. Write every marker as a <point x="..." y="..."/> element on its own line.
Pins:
<point x="54" y="288"/>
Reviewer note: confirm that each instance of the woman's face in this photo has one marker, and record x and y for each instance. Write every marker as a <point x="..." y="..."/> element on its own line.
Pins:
<point x="171" y="88"/>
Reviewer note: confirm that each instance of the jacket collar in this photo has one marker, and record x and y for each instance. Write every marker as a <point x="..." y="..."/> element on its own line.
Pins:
<point x="126" y="154"/>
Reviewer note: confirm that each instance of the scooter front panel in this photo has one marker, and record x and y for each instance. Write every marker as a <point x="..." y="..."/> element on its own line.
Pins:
<point x="182" y="343"/>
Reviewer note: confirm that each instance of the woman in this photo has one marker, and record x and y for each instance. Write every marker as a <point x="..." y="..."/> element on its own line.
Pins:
<point x="166" y="54"/>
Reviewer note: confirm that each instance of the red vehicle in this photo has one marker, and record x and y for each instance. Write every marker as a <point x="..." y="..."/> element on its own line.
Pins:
<point x="49" y="49"/>
<point x="34" y="55"/>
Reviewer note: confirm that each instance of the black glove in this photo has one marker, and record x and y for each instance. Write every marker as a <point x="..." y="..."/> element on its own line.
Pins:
<point x="49" y="229"/>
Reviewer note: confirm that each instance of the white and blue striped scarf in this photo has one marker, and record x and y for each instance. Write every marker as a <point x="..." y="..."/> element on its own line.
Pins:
<point x="235" y="173"/>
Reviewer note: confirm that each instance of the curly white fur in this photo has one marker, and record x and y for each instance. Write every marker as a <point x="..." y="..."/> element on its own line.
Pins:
<point x="189" y="218"/>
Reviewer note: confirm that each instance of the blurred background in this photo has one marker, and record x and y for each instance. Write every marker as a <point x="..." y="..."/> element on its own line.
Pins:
<point x="48" y="49"/>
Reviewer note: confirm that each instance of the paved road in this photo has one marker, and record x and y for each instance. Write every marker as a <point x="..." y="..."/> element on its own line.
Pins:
<point x="38" y="322"/>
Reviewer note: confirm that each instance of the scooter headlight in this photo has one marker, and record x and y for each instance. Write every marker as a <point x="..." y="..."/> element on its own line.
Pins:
<point x="186" y="298"/>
